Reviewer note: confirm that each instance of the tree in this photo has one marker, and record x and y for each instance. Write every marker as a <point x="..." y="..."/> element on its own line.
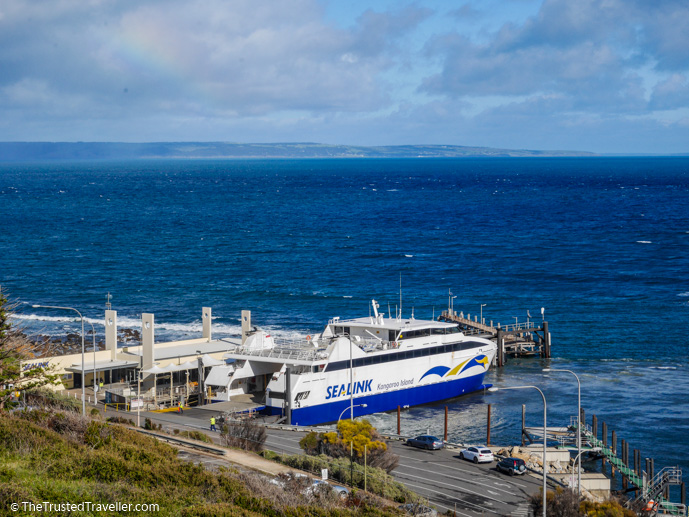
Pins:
<point x="14" y="348"/>
<point x="357" y="436"/>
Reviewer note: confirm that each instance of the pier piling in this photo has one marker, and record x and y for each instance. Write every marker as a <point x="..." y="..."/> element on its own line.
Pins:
<point x="605" y="444"/>
<point x="488" y="428"/>
<point x="445" y="435"/>
<point x="399" y="431"/>
<point x="613" y="448"/>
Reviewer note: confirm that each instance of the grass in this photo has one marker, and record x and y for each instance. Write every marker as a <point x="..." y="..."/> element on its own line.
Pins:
<point x="48" y="455"/>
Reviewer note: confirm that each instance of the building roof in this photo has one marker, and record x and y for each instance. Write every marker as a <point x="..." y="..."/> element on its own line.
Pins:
<point x="101" y="366"/>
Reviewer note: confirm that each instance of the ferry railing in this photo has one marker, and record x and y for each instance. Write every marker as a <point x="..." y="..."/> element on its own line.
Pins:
<point x="279" y="352"/>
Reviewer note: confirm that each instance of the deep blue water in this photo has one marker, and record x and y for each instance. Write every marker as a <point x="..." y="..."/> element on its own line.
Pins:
<point x="601" y="243"/>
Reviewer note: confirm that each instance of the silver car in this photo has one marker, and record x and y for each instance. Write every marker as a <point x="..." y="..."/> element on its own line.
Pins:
<point x="426" y="441"/>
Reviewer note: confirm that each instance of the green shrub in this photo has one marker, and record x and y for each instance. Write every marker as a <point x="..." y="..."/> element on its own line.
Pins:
<point x="377" y="480"/>
<point x="195" y="435"/>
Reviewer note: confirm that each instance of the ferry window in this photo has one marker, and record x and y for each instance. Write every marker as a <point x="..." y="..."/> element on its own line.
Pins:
<point x="417" y="353"/>
<point x="376" y="359"/>
<point x="453" y="330"/>
<point x="426" y="351"/>
<point x="347" y="331"/>
<point x="438" y="332"/>
<point x="425" y="332"/>
<point x="402" y="336"/>
<point x="391" y="335"/>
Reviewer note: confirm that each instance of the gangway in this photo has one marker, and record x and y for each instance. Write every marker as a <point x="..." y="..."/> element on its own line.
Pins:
<point x="649" y="492"/>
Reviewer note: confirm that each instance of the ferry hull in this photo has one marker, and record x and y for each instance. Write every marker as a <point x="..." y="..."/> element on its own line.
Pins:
<point x="381" y="402"/>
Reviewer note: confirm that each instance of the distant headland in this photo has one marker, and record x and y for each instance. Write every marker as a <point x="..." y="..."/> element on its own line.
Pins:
<point x="41" y="151"/>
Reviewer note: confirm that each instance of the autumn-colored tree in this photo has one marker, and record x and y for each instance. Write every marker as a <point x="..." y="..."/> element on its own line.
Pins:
<point x="14" y="348"/>
<point x="356" y="436"/>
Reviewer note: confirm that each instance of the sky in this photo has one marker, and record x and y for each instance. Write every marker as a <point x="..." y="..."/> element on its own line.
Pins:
<point x="606" y="76"/>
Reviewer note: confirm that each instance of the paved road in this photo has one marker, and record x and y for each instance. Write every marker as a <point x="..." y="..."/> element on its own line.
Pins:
<point x="439" y="476"/>
<point x="446" y="480"/>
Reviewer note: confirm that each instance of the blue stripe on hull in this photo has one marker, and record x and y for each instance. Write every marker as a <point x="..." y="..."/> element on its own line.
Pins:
<point x="330" y="412"/>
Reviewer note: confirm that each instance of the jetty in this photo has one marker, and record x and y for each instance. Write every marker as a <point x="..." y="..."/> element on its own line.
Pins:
<point x="648" y="491"/>
<point x="517" y="339"/>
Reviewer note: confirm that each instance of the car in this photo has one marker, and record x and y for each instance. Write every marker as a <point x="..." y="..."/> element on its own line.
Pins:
<point x="477" y="454"/>
<point x="511" y="466"/>
<point x="426" y="441"/>
<point x="319" y="488"/>
<point x="342" y="491"/>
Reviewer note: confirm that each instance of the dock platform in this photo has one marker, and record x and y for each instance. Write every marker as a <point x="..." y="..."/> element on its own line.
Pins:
<point x="517" y="339"/>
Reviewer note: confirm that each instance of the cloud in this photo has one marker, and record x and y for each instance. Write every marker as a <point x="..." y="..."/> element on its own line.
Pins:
<point x="671" y="93"/>
<point x="592" y="50"/>
<point x="235" y="58"/>
<point x="535" y="73"/>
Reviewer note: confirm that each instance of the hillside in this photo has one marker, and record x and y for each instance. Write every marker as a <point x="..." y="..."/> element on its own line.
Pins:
<point x="41" y="151"/>
<point x="60" y="458"/>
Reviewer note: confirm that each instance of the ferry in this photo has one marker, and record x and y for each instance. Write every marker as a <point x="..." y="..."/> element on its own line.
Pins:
<point x="357" y="367"/>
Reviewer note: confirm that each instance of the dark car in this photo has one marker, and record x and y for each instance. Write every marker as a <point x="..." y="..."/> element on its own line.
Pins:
<point x="511" y="466"/>
<point x="426" y="442"/>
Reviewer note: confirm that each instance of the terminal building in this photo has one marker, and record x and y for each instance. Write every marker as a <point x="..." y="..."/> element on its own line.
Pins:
<point x="155" y="375"/>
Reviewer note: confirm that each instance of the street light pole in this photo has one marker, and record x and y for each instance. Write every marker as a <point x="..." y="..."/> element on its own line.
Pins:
<point x="578" y="420"/>
<point x="352" y="409"/>
<point x="95" y="391"/>
<point x="83" y="383"/>
<point x="138" y="398"/>
<point x="482" y="306"/>
<point x="545" y="429"/>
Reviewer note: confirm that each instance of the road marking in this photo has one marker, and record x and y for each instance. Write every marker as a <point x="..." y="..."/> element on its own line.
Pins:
<point x="465" y="480"/>
<point x="466" y="503"/>
<point x="460" y="489"/>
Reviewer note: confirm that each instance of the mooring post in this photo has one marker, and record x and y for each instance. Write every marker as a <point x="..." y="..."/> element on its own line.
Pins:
<point x="501" y="348"/>
<point x="398" y="421"/>
<point x="605" y="444"/>
<point x="624" y="461"/>
<point x="648" y="469"/>
<point x="682" y="494"/>
<point x="652" y="471"/>
<point x="488" y="427"/>
<point x="523" y="423"/>
<point x="445" y="436"/>
<point x="594" y="426"/>
<point x="613" y="448"/>
<point x="546" y="335"/>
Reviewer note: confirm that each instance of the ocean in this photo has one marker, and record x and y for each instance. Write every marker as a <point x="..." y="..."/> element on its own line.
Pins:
<point x="601" y="244"/>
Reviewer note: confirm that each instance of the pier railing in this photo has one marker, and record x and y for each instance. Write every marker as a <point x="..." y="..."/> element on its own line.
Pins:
<point x="650" y="493"/>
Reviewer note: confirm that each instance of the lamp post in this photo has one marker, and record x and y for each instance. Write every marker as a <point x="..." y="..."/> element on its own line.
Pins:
<point x="352" y="409"/>
<point x="592" y="449"/>
<point x="93" y="333"/>
<point x="545" y="429"/>
<point x="83" y="383"/>
<point x="138" y="398"/>
<point x="578" y="420"/>
<point x="482" y="306"/>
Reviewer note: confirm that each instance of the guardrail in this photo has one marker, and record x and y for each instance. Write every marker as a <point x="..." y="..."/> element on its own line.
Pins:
<point x="195" y="445"/>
